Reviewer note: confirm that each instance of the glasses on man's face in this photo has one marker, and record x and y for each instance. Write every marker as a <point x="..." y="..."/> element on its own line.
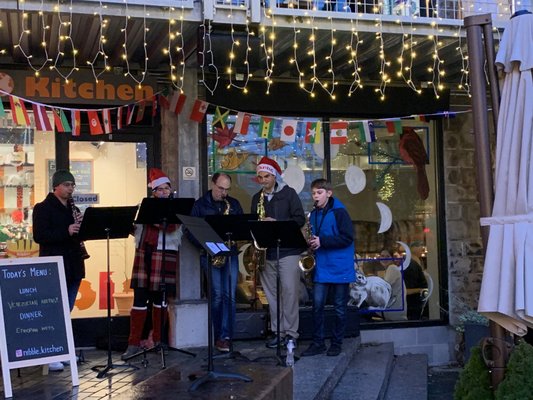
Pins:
<point x="223" y="189"/>
<point x="69" y="184"/>
<point x="163" y="189"/>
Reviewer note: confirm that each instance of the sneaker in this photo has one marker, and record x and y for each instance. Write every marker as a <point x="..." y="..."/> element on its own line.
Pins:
<point x="222" y="345"/>
<point x="289" y="337"/>
<point x="56" y="366"/>
<point x="67" y="363"/>
<point x="130" y="351"/>
<point x="334" y="350"/>
<point x="313" y="350"/>
<point x="273" y="343"/>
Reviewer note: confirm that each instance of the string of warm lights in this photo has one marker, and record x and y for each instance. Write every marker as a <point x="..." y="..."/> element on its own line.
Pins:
<point x="407" y="47"/>
<point x="125" y="46"/>
<point x="101" y="49"/>
<point x="234" y="45"/>
<point x="268" y="50"/>
<point x="63" y="40"/>
<point x="207" y="48"/>
<point x="436" y="69"/>
<point x="25" y="32"/>
<point x="176" y="79"/>
<point x="294" y="59"/>
<point x="353" y="51"/>
<point x="465" y="78"/>
<point x="329" y="58"/>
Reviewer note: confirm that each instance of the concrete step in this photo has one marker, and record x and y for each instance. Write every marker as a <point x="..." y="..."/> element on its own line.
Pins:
<point x="409" y="378"/>
<point x="367" y="374"/>
<point x="314" y="378"/>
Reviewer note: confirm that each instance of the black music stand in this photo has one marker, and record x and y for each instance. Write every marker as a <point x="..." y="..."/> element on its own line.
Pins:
<point x="202" y="232"/>
<point x="162" y="211"/>
<point x="278" y="234"/>
<point x="233" y="227"/>
<point x="107" y="223"/>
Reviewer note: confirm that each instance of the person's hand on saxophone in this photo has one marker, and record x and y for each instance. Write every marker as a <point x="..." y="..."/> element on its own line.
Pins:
<point x="314" y="242"/>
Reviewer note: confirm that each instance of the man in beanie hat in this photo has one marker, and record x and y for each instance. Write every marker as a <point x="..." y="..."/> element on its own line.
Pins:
<point x="148" y="269"/>
<point x="277" y="201"/>
<point x="55" y="229"/>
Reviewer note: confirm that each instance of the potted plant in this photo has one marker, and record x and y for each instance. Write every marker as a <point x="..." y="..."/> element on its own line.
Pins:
<point x="472" y="327"/>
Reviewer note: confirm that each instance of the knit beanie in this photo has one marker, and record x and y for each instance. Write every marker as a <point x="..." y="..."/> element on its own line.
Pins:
<point x="60" y="176"/>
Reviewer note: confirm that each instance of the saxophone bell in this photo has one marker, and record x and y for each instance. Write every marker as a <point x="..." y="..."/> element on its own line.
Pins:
<point x="307" y="261"/>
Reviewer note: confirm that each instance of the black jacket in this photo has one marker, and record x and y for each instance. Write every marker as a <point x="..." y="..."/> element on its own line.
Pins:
<point x="51" y="220"/>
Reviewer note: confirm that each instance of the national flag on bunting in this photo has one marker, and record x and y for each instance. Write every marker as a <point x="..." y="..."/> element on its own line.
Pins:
<point x="394" y="126"/>
<point x="242" y="123"/>
<point x="2" y="109"/>
<point x="18" y="110"/>
<point x="313" y="131"/>
<point x="119" y="118"/>
<point x="266" y="127"/>
<point x="219" y="120"/>
<point x="338" y="132"/>
<point x="60" y="121"/>
<point x="106" y="119"/>
<point x="366" y="131"/>
<point x="140" y="112"/>
<point x="42" y="122"/>
<point x="288" y="130"/>
<point x="129" y="114"/>
<point x="95" y="126"/>
<point x="421" y="118"/>
<point x="177" y="101"/>
<point x="198" y="110"/>
<point x="75" y="117"/>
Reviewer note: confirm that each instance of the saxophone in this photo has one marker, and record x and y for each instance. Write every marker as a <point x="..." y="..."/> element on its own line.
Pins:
<point x="219" y="261"/>
<point x="260" y="252"/>
<point x="78" y="217"/>
<point x="307" y="261"/>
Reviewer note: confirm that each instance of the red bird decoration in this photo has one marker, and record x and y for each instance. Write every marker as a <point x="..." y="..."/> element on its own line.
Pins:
<point x="413" y="152"/>
<point x="224" y="136"/>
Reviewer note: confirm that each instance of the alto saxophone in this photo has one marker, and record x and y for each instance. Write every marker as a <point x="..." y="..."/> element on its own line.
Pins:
<point x="78" y="217"/>
<point x="219" y="261"/>
<point x="307" y="261"/>
<point x="260" y="252"/>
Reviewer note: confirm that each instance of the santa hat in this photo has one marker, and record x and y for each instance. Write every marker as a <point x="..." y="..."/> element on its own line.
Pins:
<point x="157" y="178"/>
<point x="268" y="165"/>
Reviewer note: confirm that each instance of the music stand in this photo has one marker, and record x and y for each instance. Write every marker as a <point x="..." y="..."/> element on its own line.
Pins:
<point x="162" y="211"/>
<point x="214" y="246"/>
<point x="233" y="227"/>
<point x="278" y="234"/>
<point x="107" y="223"/>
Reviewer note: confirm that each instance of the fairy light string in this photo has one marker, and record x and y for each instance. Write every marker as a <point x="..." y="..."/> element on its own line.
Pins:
<point x="206" y="55"/>
<point x="236" y="44"/>
<point x="63" y="41"/>
<point x="101" y="47"/>
<point x="176" y="78"/>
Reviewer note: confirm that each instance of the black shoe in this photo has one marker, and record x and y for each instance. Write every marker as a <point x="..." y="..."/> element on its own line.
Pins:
<point x="273" y="343"/>
<point x="313" y="350"/>
<point x="294" y="341"/>
<point x="334" y="350"/>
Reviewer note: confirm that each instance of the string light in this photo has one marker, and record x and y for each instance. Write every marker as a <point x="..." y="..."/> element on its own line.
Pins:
<point x="234" y="45"/>
<point x="125" y="46"/>
<point x="269" y="51"/>
<point x="176" y="80"/>
<point x="207" y="49"/>
<point x="353" y="50"/>
<point x="101" y="50"/>
<point x="68" y="39"/>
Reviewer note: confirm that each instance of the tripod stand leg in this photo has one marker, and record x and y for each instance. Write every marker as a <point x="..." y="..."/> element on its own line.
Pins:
<point x="213" y="376"/>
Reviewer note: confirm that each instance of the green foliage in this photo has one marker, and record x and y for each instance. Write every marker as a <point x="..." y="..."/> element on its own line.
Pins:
<point x="471" y="317"/>
<point x="518" y="382"/>
<point x="474" y="380"/>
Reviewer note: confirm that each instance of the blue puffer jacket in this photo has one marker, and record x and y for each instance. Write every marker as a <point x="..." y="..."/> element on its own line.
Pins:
<point x="334" y="258"/>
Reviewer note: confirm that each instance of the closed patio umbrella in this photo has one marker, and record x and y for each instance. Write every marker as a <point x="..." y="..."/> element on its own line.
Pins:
<point x="506" y="295"/>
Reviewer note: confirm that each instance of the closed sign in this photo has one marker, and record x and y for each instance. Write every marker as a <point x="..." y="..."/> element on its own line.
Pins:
<point x="86" y="198"/>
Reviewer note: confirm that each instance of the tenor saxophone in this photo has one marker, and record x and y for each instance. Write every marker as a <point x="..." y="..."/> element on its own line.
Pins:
<point x="219" y="261"/>
<point x="260" y="252"/>
<point x="307" y="261"/>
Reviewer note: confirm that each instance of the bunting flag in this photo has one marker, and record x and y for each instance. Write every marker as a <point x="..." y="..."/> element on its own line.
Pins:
<point x="177" y="101"/>
<point x="42" y="122"/>
<point x="394" y="126"/>
<point x="266" y="126"/>
<point x="119" y="118"/>
<point x="288" y="130"/>
<point x="106" y="118"/>
<point x="198" y="110"/>
<point x="60" y="121"/>
<point x="313" y="131"/>
<point x="129" y="114"/>
<point x="421" y="118"/>
<point x="95" y="126"/>
<point x="2" y="109"/>
<point x="76" y="122"/>
<point x="154" y="105"/>
<point x="140" y="112"/>
<point x="18" y="110"/>
<point x="219" y="120"/>
<point x="366" y="131"/>
<point x="338" y="132"/>
<point x="242" y="123"/>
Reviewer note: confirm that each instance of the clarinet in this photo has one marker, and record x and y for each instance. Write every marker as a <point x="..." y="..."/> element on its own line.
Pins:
<point x="78" y="217"/>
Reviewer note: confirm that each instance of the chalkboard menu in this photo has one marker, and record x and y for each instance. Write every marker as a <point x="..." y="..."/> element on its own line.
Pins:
<point x="32" y="304"/>
<point x="82" y="171"/>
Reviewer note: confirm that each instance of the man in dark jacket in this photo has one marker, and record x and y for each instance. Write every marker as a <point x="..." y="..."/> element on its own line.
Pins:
<point x="55" y="228"/>
<point x="217" y="202"/>
<point x="278" y="202"/>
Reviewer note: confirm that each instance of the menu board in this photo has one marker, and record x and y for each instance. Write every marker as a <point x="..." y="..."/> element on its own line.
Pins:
<point x="35" y="323"/>
<point x="82" y="170"/>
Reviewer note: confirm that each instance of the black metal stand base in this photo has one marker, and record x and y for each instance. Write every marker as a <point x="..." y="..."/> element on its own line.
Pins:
<point x="106" y="368"/>
<point x="214" y="376"/>
<point x="231" y="355"/>
<point x="161" y="348"/>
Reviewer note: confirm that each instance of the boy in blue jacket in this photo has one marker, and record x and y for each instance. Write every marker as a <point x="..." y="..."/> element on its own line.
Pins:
<point x="333" y="246"/>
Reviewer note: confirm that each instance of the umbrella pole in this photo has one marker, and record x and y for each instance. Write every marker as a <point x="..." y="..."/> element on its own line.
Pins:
<point x="475" y="26"/>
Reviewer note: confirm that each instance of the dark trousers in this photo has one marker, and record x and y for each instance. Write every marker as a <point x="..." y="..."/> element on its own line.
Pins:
<point x="339" y="293"/>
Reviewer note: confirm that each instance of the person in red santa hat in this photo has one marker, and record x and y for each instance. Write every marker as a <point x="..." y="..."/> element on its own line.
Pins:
<point x="148" y="269"/>
<point x="277" y="201"/>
